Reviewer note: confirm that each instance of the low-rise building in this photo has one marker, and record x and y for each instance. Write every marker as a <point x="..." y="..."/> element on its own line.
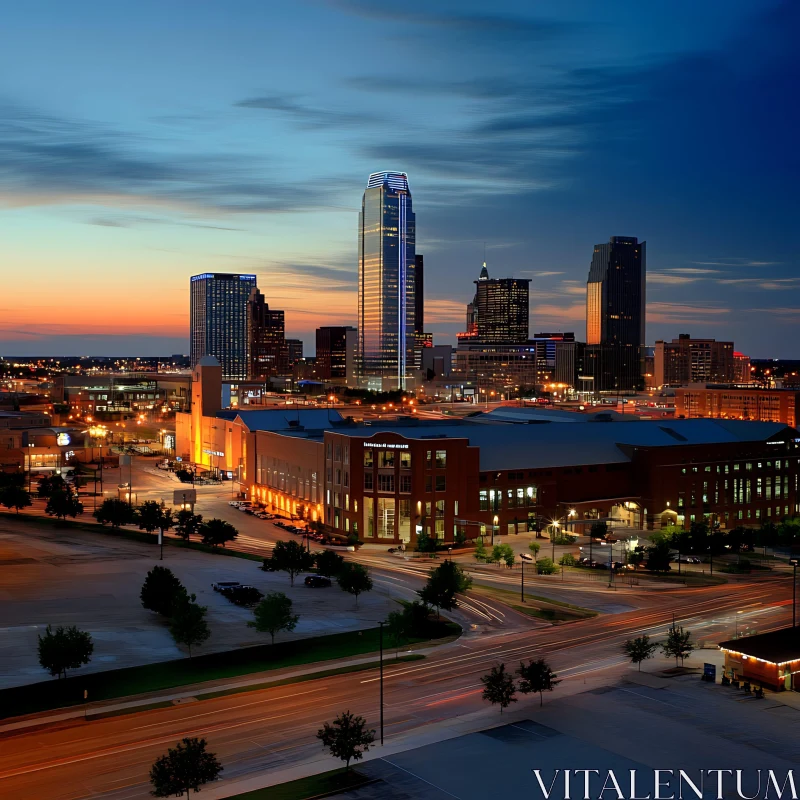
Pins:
<point x="738" y="402"/>
<point x="765" y="659"/>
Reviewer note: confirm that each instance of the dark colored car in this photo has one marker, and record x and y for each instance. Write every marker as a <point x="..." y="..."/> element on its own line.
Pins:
<point x="317" y="581"/>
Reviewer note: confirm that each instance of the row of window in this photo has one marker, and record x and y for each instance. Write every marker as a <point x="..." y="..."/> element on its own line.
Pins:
<point x="386" y="459"/>
<point x="522" y="497"/>
<point x="747" y="466"/>
<point x="742" y="494"/>
<point x="386" y="483"/>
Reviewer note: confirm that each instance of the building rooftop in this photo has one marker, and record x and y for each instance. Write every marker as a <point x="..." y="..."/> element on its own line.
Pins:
<point x="285" y="419"/>
<point x="777" y="647"/>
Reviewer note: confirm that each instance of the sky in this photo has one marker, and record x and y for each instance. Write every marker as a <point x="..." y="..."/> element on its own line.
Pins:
<point x="142" y="143"/>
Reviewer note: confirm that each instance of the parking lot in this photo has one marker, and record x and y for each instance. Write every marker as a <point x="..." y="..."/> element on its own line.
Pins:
<point x="59" y="576"/>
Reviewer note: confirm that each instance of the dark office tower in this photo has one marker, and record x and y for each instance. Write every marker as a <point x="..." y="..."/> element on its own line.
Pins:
<point x="336" y="349"/>
<point x="218" y="320"/>
<point x="268" y="354"/>
<point x="499" y="311"/>
<point x="386" y="281"/>
<point x="295" y="350"/>
<point x="615" y="310"/>
<point x="419" y="294"/>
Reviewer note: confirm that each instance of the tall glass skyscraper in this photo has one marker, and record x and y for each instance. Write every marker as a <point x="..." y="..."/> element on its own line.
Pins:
<point x="386" y="281"/>
<point x="219" y="311"/>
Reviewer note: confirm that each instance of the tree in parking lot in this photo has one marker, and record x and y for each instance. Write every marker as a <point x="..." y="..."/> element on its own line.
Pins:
<point x="61" y="503"/>
<point x="64" y="648"/>
<point x="658" y="557"/>
<point x="355" y="579"/>
<point x="161" y="591"/>
<point x="184" y="768"/>
<point x="217" y="532"/>
<point x="291" y="557"/>
<point x="678" y="644"/>
<point x="329" y="563"/>
<point x="639" y="649"/>
<point x="498" y="687"/>
<point x="599" y="529"/>
<point x="50" y="484"/>
<point x="114" y="512"/>
<point x="187" y="523"/>
<point x="188" y="624"/>
<point x="536" y="676"/>
<point x="347" y="737"/>
<point x="274" y="614"/>
<point x="150" y="517"/>
<point x="444" y="583"/>
<point x="14" y="496"/>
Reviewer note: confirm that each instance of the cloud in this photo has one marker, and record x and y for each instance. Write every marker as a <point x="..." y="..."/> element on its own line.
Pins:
<point x="736" y="262"/>
<point x="669" y="279"/>
<point x="307" y="116"/>
<point x="538" y="274"/>
<point x="549" y="312"/>
<point x="440" y="311"/>
<point x="685" y="313"/>
<point x="132" y="221"/>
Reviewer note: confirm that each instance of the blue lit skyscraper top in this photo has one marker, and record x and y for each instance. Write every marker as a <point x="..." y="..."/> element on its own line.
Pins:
<point x="386" y="269"/>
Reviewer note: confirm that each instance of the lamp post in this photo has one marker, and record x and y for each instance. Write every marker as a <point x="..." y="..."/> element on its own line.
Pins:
<point x="794" y="562"/>
<point x="381" y="678"/>
<point x="522" y="580"/>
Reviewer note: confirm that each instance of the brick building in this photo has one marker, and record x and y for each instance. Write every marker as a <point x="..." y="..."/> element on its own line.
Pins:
<point x="738" y="402"/>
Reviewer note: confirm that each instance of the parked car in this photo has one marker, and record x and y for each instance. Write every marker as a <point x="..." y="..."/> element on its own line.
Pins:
<point x="268" y="566"/>
<point x="234" y="503"/>
<point x="317" y="581"/>
<point x="220" y="586"/>
<point x="245" y="596"/>
<point x="687" y="559"/>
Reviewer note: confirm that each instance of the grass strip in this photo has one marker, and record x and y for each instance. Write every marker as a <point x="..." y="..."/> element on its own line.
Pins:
<point x="542" y="608"/>
<point x="310" y="788"/>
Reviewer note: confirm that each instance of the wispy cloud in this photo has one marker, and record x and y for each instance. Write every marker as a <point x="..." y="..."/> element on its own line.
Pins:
<point x="305" y="115"/>
<point x="669" y="278"/>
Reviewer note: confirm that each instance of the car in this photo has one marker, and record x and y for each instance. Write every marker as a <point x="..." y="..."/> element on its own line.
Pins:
<point x="317" y="581"/>
<point x="687" y="559"/>
<point x="268" y="566"/>
<point x="525" y="557"/>
<point x="234" y="503"/>
<point x="220" y="586"/>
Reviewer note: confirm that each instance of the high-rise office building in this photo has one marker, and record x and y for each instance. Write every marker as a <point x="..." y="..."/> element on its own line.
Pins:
<point x="218" y="321"/>
<point x="498" y="314"/>
<point x="386" y="281"/>
<point x="268" y="353"/>
<point x="419" y="294"/>
<point x="615" y="313"/>
<point x="295" y="350"/>
<point x="685" y="360"/>
<point x="336" y="351"/>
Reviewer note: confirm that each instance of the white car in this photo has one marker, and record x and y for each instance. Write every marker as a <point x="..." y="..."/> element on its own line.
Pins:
<point x="234" y="503"/>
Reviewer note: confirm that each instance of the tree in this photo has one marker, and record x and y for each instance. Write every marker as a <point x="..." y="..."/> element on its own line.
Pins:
<point x="502" y="553"/>
<point x="291" y="557"/>
<point x="417" y="616"/>
<point x="13" y="496"/>
<point x="63" y="649"/>
<point x="355" y="579"/>
<point x="545" y="566"/>
<point x="498" y="687"/>
<point x="347" y="738"/>
<point x="639" y="649"/>
<point x="534" y="547"/>
<point x="50" y="484"/>
<point x="61" y="503"/>
<point x="425" y="543"/>
<point x="567" y="560"/>
<point x="161" y="591"/>
<point x="536" y="676"/>
<point x="188" y="625"/>
<point x="217" y="532"/>
<point x="599" y="529"/>
<point x="150" y="516"/>
<point x="274" y="614"/>
<point x="115" y="512"/>
<point x="184" y="768"/>
<point x="329" y="563"/>
<point x="678" y="644"/>
<point x="480" y="553"/>
<point x="658" y="557"/>
<point x="444" y="583"/>
<point x="397" y="626"/>
<point x="187" y="523"/>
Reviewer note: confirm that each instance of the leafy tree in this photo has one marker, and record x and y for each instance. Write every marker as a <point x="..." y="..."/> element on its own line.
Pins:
<point x="536" y="676"/>
<point x="291" y="557"/>
<point x="545" y="566"/>
<point x="397" y="626"/>
<point x="50" y="484"/>
<point x="12" y="479"/>
<point x="639" y="649"/>
<point x="501" y="553"/>
<point x="150" y="516"/>
<point x="417" y="616"/>
<point x="599" y="529"/>
<point x="498" y="687"/>
<point x="480" y="553"/>
<point x="188" y="625"/>
<point x="347" y="738"/>
<point x="184" y="475"/>
<point x="355" y="579"/>
<point x="567" y="560"/>
<point x="13" y="496"/>
<point x="187" y="523"/>
<point x="444" y="583"/>
<point x="658" y="557"/>
<point x="161" y="591"/>
<point x="425" y="543"/>
<point x="274" y="614"/>
<point x="328" y="562"/>
<point x="61" y="503"/>
<point x="115" y="512"/>
<point x="63" y="649"/>
<point x="184" y="768"/>
<point x="534" y="547"/>
<point x="678" y="644"/>
<point x="217" y="532"/>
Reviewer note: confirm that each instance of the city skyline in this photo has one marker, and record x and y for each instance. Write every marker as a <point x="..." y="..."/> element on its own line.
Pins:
<point x="114" y="195"/>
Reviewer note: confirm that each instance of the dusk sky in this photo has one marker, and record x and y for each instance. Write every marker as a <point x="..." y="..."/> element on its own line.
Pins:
<point x="141" y="143"/>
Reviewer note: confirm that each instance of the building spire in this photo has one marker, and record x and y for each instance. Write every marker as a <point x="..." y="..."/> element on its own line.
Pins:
<point x="484" y="273"/>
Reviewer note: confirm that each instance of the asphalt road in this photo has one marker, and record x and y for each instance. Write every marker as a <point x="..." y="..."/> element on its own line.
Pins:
<point x="266" y="729"/>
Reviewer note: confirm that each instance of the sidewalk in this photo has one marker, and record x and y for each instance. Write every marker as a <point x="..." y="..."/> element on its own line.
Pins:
<point x="194" y="691"/>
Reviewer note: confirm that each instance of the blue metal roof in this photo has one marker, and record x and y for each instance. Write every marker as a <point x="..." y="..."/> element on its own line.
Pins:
<point x="285" y="419"/>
